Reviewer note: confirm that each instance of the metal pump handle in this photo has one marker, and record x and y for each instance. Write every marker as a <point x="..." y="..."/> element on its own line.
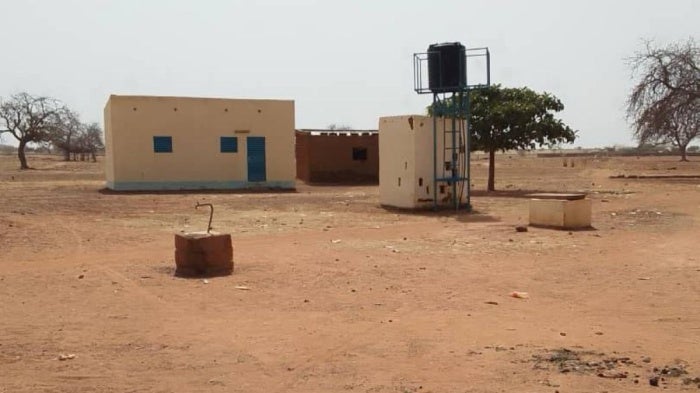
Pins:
<point x="211" y="212"/>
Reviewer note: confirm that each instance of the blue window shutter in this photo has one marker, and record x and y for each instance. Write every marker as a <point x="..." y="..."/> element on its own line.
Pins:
<point x="229" y="144"/>
<point x="162" y="144"/>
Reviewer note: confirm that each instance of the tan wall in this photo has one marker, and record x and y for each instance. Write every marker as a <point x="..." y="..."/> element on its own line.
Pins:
<point x="560" y="213"/>
<point x="195" y="125"/>
<point x="406" y="152"/>
<point x="109" y="152"/>
<point x="397" y="162"/>
<point x="328" y="158"/>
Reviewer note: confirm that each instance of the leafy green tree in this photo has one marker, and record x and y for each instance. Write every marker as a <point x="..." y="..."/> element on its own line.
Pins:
<point x="512" y="118"/>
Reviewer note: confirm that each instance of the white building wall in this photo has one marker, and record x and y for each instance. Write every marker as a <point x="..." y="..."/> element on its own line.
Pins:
<point x="406" y="153"/>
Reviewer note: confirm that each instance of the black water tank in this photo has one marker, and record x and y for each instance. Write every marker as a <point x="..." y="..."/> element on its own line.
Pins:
<point x="446" y="67"/>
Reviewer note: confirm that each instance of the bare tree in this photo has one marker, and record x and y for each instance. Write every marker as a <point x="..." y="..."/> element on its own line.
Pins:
<point x="29" y="119"/>
<point x="339" y="127"/>
<point x="90" y="141"/>
<point x="74" y="138"/>
<point x="66" y="132"/>
<point x="665" y="102"/>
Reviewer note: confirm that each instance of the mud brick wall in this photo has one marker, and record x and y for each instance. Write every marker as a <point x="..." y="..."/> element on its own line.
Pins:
<point x="329" y="158"/>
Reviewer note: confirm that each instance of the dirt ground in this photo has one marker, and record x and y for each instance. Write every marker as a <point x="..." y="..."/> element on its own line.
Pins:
<point x="346" y="296"/>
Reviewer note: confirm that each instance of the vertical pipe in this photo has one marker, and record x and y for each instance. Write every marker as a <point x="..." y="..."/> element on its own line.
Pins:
<point x="468" y="149"/>
<point x="453" y="157"/>
<point x="415" y="74"/>
<point x="462" y="143"/>
<point x="488" y="67"/>
<point x="435" y="110"/>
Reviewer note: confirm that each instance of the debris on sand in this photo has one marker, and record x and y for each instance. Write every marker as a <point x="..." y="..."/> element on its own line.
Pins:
<point x="613" y="375"/>
<point x="492" y="303"/>
<point x="612" y="367"/>
<point x="654" y="381"/>
<point x="242" y="288"/>
<point x="68" y="356"/>
<point x="583" y="362"/>
<point x="521" y="228"/>
<point x="392" y="248"/>
<point x="674" y="371"/>
<point x="520" y="295"/>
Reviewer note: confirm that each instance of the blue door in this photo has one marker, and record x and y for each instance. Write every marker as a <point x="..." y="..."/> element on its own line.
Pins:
<point x="256" y="158"/>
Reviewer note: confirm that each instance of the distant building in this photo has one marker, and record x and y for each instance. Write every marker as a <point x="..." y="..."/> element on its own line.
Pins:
<point x="337" y="156"/>
<point x="179" y="143"/>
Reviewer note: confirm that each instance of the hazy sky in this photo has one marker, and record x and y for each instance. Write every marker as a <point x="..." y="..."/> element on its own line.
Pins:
<point x="346" y="62"/>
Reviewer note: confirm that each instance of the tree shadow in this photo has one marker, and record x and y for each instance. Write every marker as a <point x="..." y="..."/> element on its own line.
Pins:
<point x="654" y="177"/>
<point x="107" y="191"/>
<point x="512" y="193"/>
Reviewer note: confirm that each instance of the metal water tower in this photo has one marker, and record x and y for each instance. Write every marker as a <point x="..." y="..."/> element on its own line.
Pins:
<point x="447" y="79"/>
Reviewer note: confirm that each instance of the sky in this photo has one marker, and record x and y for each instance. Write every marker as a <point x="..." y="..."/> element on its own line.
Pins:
<point x="343" y="62"/>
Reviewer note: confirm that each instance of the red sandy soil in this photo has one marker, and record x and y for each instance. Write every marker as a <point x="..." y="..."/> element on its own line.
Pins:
<point x="343" y="295"/>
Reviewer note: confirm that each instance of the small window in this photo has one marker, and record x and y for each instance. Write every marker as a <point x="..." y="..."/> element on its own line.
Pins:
<point x="359" y="154"/>
<point x="229" y="144"/>
<point x="162" y="144"/>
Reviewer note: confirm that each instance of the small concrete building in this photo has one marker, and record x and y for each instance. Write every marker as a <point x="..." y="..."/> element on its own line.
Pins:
<point x="179" y="143"/>
<point x="406" y="166"/>
<point x="337" y="156"/>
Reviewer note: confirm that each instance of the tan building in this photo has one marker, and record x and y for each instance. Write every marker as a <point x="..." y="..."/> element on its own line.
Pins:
<point x="406" y="169"/>
<point x="178" y="143"/>
<point x="337" y="156"/>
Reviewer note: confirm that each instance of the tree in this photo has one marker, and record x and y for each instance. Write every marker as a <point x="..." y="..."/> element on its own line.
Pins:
<point x="66" y="132"/>
<point x="75" y="138"/>
<point x="29" y="119"/>
<point x="513" y="118"/>
<point x="664" y="105"/>
<point x="339" y="127"/>
<point x="90" y="141"/>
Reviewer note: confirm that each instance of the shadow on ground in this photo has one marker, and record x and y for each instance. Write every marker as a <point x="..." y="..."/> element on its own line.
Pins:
<point x="510" y="193"/>
<point x="107" y="191"/>
<point x="462" y="215"/>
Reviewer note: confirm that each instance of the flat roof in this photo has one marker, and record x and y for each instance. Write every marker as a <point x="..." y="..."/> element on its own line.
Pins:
<point x="151" y="97"/>
<point x="327" y="132"/>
